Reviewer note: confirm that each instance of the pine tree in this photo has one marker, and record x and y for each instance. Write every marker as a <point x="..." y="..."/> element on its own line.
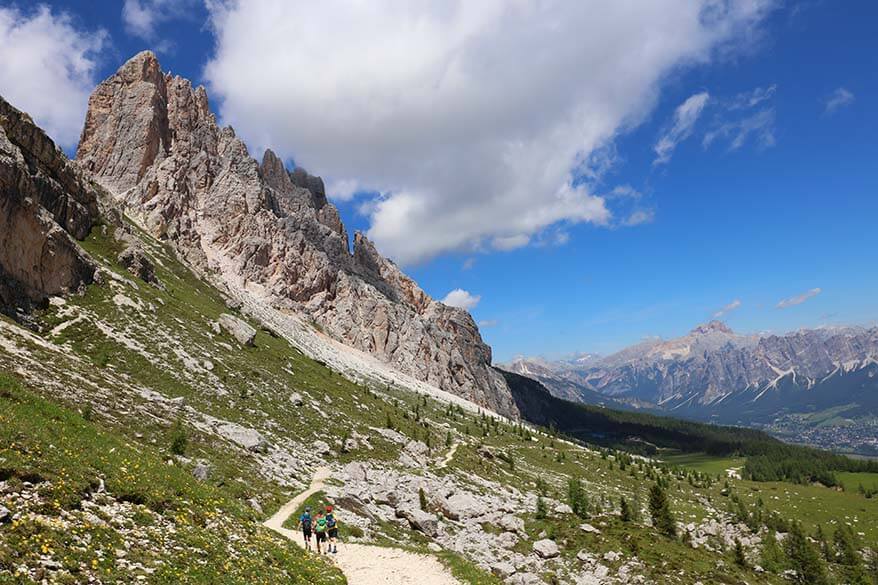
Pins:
<point x="422" y="497"/>
<point x="448" y="439"/>
<point x="845" y="549"/>
<point x="576" y="497"/>
<point x="823" y="545"/>
<point x="804" y="558"/>
<point x="846" y="554"/>
<point x="542" y="509"/>
<point x="740" y="557"/>
<point x="625" y="510"/>
<point x="660" y="510"/>
<point x="772" y="559"/>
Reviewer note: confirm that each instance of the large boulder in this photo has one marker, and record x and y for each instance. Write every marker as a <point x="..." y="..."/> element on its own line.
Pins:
<point x="462" y="506"/>
<point x="546" y="549"/>
<point x="134" y="259"/>
<point x="244" y="437"/>
<point x="420" y="520"/>
<point x="503" y="569"/>
<point x="356" y="471"/>
<point x="201" y="471"/>
<point x="238" y="329"/>
<point x="321" y="448"/>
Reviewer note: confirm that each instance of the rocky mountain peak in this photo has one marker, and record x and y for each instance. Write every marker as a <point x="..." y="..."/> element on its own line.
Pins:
<point x="269" y="233"/>
<point x="275" y="173"/>
<point x="714" y="326"/>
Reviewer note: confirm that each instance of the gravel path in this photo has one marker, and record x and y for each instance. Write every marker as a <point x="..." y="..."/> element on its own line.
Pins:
<point x="364" y="564"/>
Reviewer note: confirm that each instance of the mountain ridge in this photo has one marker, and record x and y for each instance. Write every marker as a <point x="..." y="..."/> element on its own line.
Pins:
<point x="269" y="234"/>
<point x="712" y="373"/>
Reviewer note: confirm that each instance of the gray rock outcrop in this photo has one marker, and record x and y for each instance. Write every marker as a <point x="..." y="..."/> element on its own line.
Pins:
<point x="151" y="139"/>
<point x="546" y="549"/>
<point x="237" y="328"/>
<point x="46" y="204"/>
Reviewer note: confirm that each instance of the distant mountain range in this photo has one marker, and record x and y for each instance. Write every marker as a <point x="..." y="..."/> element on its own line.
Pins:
<point x="820" y="378"/>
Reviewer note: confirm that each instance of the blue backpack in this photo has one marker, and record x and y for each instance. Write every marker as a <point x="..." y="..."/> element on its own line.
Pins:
<point x="330" y="520"/>
<point x="306" y="521"/>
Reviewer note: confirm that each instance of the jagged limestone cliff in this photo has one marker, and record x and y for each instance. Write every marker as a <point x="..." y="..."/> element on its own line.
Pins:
<point x="45" y="206"/>
<point x="151" y="139"/>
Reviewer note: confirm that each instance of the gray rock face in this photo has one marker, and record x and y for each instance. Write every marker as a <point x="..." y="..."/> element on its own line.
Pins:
<point x="201" y="471"/>
<point x="249" y="439"/>
<point x="462" y="506"/>
<point x="546" y="549"/>
<point x="238" y="329"/>
<point x="420" y="520"/>
<point x="152" y="140"/>
<point x="46" y="204"/>
<point x="503" y="569"/>
<point x="135" y="260"/>
<point x="321" y="447"/>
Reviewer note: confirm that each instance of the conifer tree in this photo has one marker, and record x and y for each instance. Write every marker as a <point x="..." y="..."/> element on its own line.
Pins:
<point x="542" y="510"/>
<point x="804" y="558"/>
<point x="625" y="510"/>
<point x="772" y="559"/>
<point x="740" y="557"/>
<point x="660" y="510"/>
<point x="576" y="497"/>
<point x="823" y="544"/>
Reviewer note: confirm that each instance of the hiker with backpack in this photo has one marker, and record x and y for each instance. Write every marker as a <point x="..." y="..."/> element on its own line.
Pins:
<point x="331" y="530"/>
<point x="320" y="531"/>
<point x="305" y="525"/>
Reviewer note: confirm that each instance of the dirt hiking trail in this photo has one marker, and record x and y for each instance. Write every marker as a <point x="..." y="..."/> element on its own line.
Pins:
<point x="364" y="564"/>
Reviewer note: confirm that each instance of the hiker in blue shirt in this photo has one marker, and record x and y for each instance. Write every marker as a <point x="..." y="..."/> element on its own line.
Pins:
<point x="332" y="530"/>
<point x="305" y="524"/>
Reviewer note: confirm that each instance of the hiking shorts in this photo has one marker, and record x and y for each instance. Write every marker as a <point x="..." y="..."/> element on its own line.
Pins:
<point x="333" y="533"/>
<point x="321" y="536"/>
<point x="306" y="532"/>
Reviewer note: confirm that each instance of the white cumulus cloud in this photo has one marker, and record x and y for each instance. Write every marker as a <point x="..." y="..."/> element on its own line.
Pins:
<point x="142" y="19"/>
<point x="462" y="299"/>
<point x="799" y="299"/>
<point x="47" y="68"/>
<point x="472" y="120"/>
<point x="685" y="117"/>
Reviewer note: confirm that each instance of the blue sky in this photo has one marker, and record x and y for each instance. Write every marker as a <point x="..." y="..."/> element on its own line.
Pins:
<point x="768" y="194"/>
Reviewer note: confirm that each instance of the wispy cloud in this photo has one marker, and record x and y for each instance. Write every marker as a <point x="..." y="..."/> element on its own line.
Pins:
<point x="462" y="299"/>
<point x="624" y="191"/>
<point x="727" y="309"/>
<point x="685" y="117"/>
<point x="798" y="299"/>
<point x="468" y="264"/>
<point x="639" y="217"/>
<point x="488" y="323"/>
<point x="838" y="99"/>
<point x="746" y="117"/>
<point x="758" y="128"/>
<point x="751" y="99"/>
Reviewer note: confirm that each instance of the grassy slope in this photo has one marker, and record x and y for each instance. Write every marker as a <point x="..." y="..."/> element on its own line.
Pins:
<point x="252" y="386"/>
<point x="209" y="536"/>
